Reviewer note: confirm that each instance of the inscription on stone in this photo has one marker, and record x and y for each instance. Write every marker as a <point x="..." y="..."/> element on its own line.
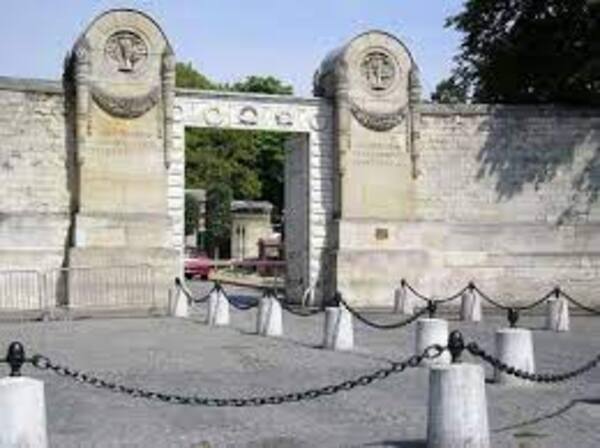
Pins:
<point x="389" y="156"/>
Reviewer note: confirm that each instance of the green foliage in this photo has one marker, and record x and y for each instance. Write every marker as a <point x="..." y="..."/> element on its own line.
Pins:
<point x="218" y="219"/>
<point x="187" y="76"/>
<point x="250" y="162"/>
<point x="262" y="84"/>
<point x="192" y="212"/>
<point x="529" y="51"/>
<point x="449" y="91"/>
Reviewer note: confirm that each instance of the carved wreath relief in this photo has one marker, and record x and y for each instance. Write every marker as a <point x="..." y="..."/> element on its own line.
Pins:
<point x="378" y="70"/>
<point x="126" y="50"/>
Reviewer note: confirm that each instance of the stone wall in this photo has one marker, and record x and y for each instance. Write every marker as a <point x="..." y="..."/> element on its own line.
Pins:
<point x="34" y="211"/>
<point x="504" y="196"/>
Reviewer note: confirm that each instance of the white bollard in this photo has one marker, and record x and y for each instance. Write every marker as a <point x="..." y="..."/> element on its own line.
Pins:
<point x="179" y="302"/>
<point x="268" y="317"/>
<point x="432" y="331"/>
<point x="218" y="309"/>
<point x="339" y="333"/>
<point x="22" y="413"/>
<point x="557" y="318"/>
<point x="457" y="412"/>
<point x="514" y="347"/>
<point x="470" y="306"/>
<point x="403" y="302"/>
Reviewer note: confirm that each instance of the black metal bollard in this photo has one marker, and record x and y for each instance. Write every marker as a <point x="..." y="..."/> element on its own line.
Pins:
<point x="456" y="346"/>
<point x="513" y="317"/>
<point x="15" y="357"/>
<point x="431" y="308"/>
<point x="337" y="299"/>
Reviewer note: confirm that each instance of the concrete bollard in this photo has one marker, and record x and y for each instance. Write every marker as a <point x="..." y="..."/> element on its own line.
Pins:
<point x="432" y="331"/>
<point x="557" y="318"/>
<point x="268" y="317"/>
<point x="22" y="413"/>
<point x="178" y="302"/>
<point x="339" y="332"/>
<point x="218" y="309"/>
<point x="403" y="302"/>
<point x="457" y="411"/>
<point x="470" y="306"/>
<point x="514" y="347"/>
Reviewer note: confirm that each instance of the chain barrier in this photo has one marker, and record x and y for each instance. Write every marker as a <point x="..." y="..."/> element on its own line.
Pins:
<point x="234" y="303"/>
<point x="188" y="294"/>
<point x="513" y="312"/>
<point x="456" y="346"/>
<point x="381" y="326"/>
<point x="425" y="298"/>
<point x="478" y="352"/>
<point x="16" y="358"/>
<point x="578" y="304"/>
<point x="301" y="312"/>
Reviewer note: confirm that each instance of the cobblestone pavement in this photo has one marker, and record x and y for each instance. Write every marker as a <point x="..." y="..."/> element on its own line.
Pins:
<point x="187" y="357"/>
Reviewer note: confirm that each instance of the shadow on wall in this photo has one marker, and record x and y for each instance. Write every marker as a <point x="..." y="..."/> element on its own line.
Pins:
<point x="532" y="146"/>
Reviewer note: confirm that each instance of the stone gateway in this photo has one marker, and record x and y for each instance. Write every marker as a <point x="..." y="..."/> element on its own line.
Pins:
<point x="379" y="185"/>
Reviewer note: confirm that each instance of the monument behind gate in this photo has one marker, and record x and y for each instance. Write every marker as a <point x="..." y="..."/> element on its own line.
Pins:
<point x="379" y="185"/>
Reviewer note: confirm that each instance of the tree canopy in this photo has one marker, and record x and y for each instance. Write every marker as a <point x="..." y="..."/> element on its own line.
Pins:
<point x="526" y="51"/>
<point x="250" y="163"/>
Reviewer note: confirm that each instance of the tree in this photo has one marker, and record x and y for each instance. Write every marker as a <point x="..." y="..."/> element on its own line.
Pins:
<point x="187" y="76"/>
<point x="251" y="162"/>
<point x="529" y="51"/>
<point x="262" y="84"/>
<point x="218" y="219"/>
<point x="449" y="91"/>
<point x="192" y="214"/>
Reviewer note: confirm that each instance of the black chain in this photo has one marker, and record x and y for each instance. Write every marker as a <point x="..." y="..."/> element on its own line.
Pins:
<point x="381" y="326"/>
<point x="425" y="298"/>
<point x="190" y="296"/>
<point x="578" y="304"/>
<point x="44" y="363"/>
<point x="302" y="312"/>
<point x="477" y="351"/>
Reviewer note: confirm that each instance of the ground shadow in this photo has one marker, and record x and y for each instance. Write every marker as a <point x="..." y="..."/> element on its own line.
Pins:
<point x="399" y="443"/>
<point x="549" y="415"/>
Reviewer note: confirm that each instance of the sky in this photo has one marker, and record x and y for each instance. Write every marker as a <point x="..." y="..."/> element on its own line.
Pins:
<point x="228" y="40"/>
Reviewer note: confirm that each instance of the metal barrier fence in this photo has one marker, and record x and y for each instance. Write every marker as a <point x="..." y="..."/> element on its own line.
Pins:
<point x="111" y="287"/>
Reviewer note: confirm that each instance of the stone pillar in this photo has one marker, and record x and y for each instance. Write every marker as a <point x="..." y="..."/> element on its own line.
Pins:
<point x="339" y="332"/>
<point x="373" y="85"/>
<point x="179" y="302"/>
<point x="22" y="413"/>
<point x="457" y="412"/>
<point x="470" y="307"/>
<point x="269" y="318"/>
<point x="514" y="347"/>
<point x="430" y="331"/>
<point x="557" y="318"/>
<point x="122" y="73"/>
<point x="403" y="302"/>
<point x="218" y="309"/>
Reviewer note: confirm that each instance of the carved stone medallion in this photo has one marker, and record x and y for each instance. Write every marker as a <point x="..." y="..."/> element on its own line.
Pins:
<point x="126" y="50"/>
<point x="378" y="71"/>
<point x="248" y="115"/>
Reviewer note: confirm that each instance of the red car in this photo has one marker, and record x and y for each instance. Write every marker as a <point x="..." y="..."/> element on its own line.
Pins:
<point x="197" y="264"/>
